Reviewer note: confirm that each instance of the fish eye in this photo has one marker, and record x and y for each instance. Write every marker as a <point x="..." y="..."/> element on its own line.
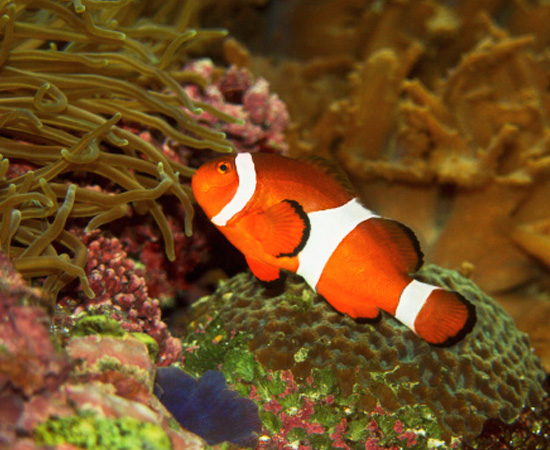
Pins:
<point x="223" y="167"/>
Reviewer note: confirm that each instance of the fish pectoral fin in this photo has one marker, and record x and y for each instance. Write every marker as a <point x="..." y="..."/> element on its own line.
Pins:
<point x="282" y="229"/>
<point x="262" y="271"/>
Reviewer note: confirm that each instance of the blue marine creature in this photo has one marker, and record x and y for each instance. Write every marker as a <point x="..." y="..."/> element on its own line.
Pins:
<point x="207" y="407"/>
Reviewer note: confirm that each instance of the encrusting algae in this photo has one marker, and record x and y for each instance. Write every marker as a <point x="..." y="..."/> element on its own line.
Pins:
<point x="76" y="79"/>
<point x="492" y="373"/>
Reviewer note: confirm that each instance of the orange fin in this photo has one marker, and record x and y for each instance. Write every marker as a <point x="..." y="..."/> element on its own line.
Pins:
<point x="282" y="229"/>
<point x="445" y="318"/>
<point x="262" y="271"/>
<point x="332" y="170"/>
<point x="367" y="312"/>
<point x="400" y="241"/>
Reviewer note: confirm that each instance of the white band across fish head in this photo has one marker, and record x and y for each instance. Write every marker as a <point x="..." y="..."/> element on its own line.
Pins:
<point x="246" y="173"/>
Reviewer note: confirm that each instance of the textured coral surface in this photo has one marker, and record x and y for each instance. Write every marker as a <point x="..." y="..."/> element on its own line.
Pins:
<point x="492" y="373"/>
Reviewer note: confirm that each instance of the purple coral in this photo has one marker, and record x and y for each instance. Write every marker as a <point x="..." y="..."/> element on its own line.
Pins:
<point x="207" y="407"/>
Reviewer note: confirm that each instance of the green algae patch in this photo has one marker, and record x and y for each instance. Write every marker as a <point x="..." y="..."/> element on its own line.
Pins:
<point x="313" y="410"/>
<point x="99" y="324"/>
<point x="150" y="343"/>
<point x="212" y="347"/>
<point x="89" y="431"/>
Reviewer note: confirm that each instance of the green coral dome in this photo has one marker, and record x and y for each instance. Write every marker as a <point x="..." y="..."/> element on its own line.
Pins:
<point x="492" y="373"/>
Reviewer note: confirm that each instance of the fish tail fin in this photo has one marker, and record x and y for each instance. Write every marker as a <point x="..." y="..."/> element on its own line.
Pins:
<point x="445" y="318"/>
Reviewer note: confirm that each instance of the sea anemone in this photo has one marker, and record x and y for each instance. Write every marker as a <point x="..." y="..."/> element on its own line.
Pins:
<point x="74" y="77"/>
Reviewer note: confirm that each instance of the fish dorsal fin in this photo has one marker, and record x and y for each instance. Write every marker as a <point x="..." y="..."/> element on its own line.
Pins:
<point x="332" y="170"/>
<point x="401" y="241"/>
<point x="282" y="229"/>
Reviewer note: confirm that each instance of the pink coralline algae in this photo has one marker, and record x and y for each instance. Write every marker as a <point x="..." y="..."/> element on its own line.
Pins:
<point x="96" y="381"/>
<point x="262" y="114"/>
<point x="338" y="436"/>
<point x="165" y="278"/>
<point x="130" y="369"/>
<point x="121" y="292"/>
<point x="29" y="360"/>
<point x="109" y="388"/>
<point x="301" y="419"/>
<point x="102" y="384"/>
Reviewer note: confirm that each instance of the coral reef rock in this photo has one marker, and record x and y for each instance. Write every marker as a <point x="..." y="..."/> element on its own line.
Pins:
<point x="492" y="373"/>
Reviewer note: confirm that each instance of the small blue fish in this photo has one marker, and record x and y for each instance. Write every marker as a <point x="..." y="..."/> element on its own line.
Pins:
<point x="207" y="407"/>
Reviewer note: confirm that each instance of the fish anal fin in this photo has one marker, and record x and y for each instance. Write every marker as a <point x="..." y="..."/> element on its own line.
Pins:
<point x="367" y="312"/>
<point x="264" y="272"/>
<point x="282" y="229"/>
<point x="400" y="241"/>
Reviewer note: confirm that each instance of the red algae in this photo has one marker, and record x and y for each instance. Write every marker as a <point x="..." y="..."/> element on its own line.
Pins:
<point x="121" y="293"/>
<point x="262" y="116"/>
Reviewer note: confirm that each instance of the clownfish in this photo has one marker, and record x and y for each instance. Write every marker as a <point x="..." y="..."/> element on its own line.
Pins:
<point x="295" y="215"/>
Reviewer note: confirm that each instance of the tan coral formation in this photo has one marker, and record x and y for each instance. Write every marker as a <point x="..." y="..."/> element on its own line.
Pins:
<point x="479" y="142"/>
<point x="439" y="111"/>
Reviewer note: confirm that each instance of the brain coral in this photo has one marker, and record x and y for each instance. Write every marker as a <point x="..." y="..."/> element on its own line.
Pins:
<point x="492" y="373"/>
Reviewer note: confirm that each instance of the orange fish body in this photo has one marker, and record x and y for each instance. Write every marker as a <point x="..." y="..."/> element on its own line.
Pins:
<point x="289" y="214"/>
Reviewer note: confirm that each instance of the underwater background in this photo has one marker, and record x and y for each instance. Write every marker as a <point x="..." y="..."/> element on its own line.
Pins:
<point x="127" y="321"/>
